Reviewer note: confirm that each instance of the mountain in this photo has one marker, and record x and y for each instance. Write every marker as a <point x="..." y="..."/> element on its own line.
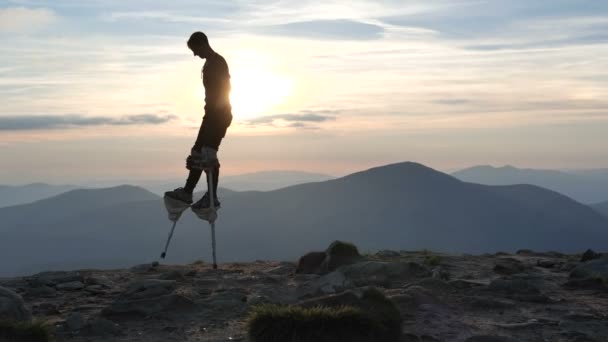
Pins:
<point x="271" y="180"/>
<point x="398" y="206"/>
<point x="602" y="208"/>
<point x="585" y="186"/>
<point x="20" y="194"/>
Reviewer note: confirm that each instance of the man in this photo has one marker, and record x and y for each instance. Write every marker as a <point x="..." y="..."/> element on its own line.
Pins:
<point x="217" y="119"/>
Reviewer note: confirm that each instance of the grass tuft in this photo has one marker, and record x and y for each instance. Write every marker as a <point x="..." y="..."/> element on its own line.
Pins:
<point x="25" y="332"/>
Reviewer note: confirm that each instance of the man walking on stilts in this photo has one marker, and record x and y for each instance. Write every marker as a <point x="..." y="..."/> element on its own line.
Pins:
<point x="217" y="119"/>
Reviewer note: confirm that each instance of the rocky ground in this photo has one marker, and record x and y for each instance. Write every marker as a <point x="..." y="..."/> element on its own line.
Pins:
<point x="523" y="297"/>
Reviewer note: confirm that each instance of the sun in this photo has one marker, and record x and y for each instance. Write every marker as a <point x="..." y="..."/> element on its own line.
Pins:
<point x="256" y="92"/>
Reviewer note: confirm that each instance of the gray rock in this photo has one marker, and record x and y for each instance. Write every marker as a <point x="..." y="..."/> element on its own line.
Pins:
<point x="147" y="306"/>
<point x="508" y="266"/>
<point x="143" y="268"/>
<point x="382" y="273"/>
<point x="283" y="269"/>
<point x="387" y="253"/>
<point x="311" y="262"/>
<point x="75" y="321"/>
<point x="489" y="338"/>
<point x="103" y="327"/>
<point x="227" y="301"/>
<point x="12" y="306"/>
<point x="515" y="286"/>
<point x="149" y="288"/>
<point x="590" y="255"/>
<point x="173" y="275"/>
<point x="46" y="309"/>
<point x="70" y="286"/>
<point x="101" y="281"/>
<point x="465" y="283"/>
<point x="55" y="278"/>
<point x="330" y="283"/>
<point x="95" y="289"/>
<point x="41" y="291"/>
<point x="597" y="268"/>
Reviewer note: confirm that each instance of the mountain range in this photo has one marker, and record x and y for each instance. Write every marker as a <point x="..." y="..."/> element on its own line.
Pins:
<point x="585" y="186"/>
<point x="398" y="206"/>
<point x="20" y="194"/>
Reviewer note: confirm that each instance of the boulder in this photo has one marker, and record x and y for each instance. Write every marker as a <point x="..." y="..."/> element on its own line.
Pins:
<point x="311" y="263"/>
<point x="508" y="266"/>
<point x="597" y="268"/>
<point x="590" y="255"/>
<point x="12" y="307"/>
<point x="340" y="253"/>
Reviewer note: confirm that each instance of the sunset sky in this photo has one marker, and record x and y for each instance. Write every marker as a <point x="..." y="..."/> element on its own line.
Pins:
<point x="103" y="90"/>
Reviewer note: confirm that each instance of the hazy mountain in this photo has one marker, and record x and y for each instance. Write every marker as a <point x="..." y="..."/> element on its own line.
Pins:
<point x="271" y="180"/>
<point x="399" y="206"/>
<point x="601" y="207"/>
<point x="586" y="186"/>
<point x="21" y="194"/>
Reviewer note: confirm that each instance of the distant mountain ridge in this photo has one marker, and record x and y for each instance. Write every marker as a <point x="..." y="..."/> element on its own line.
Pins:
<point x="22" y="194"/>
<point x="397" y="206"/>
<point x="602" y="208"/>
<point x="585" y="186"/>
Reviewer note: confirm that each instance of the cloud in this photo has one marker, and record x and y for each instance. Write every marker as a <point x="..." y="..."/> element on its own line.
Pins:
<point x="340" y="29"/>
<point x="21" y="19"/>
<point x="37" y="122"/>
<point x="295" y="120"/>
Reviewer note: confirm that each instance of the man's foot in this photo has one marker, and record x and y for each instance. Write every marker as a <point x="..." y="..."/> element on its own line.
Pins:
<point x="180" y="194"/>
<point x="205" y="203"/>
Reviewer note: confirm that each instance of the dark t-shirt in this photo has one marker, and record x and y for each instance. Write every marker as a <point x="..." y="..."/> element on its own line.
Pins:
<point x="216" y="79"/>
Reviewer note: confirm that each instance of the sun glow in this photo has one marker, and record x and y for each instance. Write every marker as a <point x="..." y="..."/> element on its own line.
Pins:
<point x="257" y="89"/>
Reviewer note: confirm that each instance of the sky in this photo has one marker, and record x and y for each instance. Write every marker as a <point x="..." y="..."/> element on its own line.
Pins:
<point x="108" y="90"/>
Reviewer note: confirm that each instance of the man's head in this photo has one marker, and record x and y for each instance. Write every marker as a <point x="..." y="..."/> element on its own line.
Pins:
<point x="199" y="44"/>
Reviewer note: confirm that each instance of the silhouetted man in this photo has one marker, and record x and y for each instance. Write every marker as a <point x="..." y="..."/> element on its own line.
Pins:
<point x="217" y="119"/>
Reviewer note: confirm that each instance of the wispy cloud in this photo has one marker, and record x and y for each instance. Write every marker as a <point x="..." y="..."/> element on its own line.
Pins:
<point x="340" y="29"/>
<point x="22" y="19"/>
<point x="38" y="122"/>
<point x="302" y="119"/>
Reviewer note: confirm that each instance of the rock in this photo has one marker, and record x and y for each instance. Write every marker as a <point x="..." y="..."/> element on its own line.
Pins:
<point x="432" y="284"/>
<point x="383" y="273"/>
<point x="465" y="283"/>
<point x="103" y="327"/>
<point x="590" y="255"/>
<point x="508" y="266"/>
<point x="330" y="283"/>
<point x="148" y="306"/>
<point x="440" y="273"/>
<point x="489" y="303"/>
<point x="227" y="301"/>
<point x="489" y="338"/>
<point x="100" y="281"/>
<point x="70" y="286"/>
<point x="95" y="289"/>
<point x="41" y="291"/>
<point x="514" y="286"/>
<point x="12" y="307"/>
<point x="55" y="278"/>
<point x="387" y="253"/>
<point x="598" y="284"/>
<point x="75" y="321"/>
<point x="283" y="269"/>
<point x="46" y="309"/>
<point x="143" y="268"/>
<point x="525" y="252"/>
<point x="172" y="275"/>
<point x="546" y="263"/>
<point x="311" y="263"/>
<point x="597" y="268"/>
<point x="149" y="288"/>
